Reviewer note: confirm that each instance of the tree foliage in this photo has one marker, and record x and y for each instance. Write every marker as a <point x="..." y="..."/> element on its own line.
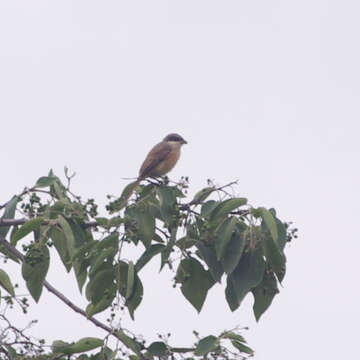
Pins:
<point x="213" y="237"/>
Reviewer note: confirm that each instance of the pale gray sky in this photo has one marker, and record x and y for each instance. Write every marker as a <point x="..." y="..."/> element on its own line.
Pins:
<point x="266" y="92"/>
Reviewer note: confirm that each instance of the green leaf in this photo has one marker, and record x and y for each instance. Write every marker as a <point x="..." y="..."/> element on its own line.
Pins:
<point x="60" y="192"/>
<point x="27" y="228"/>
<point x="167" y="202"/>
<point x="154" y="208"/>
<point x="146" y="225"/>
<point x="101" y="284"/>
<point x="105" y="354"/>
<point x="101" y="289"/>
<point x="137" y="293"/>
<point x="81" y="236"/>
<point x="157" y="348"/>
<point x="130" y="343"/>
<point x="247" y="275"/>
<point x="169" y="247"/>
<point x="85" y="344"/>
<point x="225" y="207"/>
<point x="102" y="305"/>
<point x="80" y="269"/>
<point x="103" y="257"/>
<point x="148" y="255"/>
<point x="264" y="294"/>
<point x="270" y="223"/>
<point x="13" y="232"/>
<point x="60" y="347"/>
<point x="202" y="195"/>
<point x="35" y="268"/>
<point x="116" y="221"/>
<point x="224" y="235"/>
<point x="206" y="345"/>
<point x="146" y="191"/>
<point x="134" y="301"/>
<point x="232" y="336"/>
<point x="208" y="207"/>
<point x="111" y="241"/>
<point x="274" y="255"/>
<point x="57" y="209"/>
<point x="231" y="296"/>
<point x="209" y="256"/>
<point x="5" y="282"/>
<point x="45" y="181"/>
<point x="70" y="239"/>
<point x="281" y="234"/>
<point x="281" y="274"/>
<point x="84" y="251"/>
<point x="195" y="281"/>
<point x="233" y="251"/>
<point x="102" y="221"/>
<point x="177" y="192"/>
<point x="185" y="242"/>
<point x="8" y="254"/>
<point x="274" y="239"/>
<point x="130" y="280"/>
<point x="242" y="348"/>
<point x="58" y="238"/>
<point x="9" y="213"/>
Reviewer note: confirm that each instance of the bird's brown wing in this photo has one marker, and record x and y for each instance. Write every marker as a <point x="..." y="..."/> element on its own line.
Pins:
<point x="157" y="154"/>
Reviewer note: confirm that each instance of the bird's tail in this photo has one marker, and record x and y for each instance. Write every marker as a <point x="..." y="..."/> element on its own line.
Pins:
<point x="129" y="189"/>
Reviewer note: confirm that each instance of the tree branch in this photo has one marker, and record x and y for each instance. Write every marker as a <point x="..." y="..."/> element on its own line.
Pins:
<point x="61" y="296"/>
<point x="186" y="207"/>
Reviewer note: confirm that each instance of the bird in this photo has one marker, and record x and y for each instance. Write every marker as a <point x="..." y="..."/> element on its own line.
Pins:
<point x="159" y="161"/>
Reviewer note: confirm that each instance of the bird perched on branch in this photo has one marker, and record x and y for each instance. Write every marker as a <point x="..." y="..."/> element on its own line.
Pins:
<point x="159" y="161"/>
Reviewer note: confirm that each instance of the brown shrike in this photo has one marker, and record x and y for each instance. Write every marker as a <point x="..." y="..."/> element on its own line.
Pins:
<point x="159" y="161"/>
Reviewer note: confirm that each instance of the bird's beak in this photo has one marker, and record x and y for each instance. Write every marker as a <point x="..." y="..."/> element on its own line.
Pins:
<point x="184" y="142"/>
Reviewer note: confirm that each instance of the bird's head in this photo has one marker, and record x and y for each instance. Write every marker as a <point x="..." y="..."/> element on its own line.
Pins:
<point x="175" y="139"/>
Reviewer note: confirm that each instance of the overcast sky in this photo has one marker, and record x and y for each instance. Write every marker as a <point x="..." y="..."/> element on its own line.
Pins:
<point x="266" y="92"/>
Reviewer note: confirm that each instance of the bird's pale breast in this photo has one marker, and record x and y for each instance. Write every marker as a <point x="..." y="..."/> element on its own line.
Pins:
<point x="165" y="166"/>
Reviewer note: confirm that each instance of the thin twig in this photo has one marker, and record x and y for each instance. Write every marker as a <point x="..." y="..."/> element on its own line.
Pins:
<point x="227" y="185"/>
<point x="163" y="232"/>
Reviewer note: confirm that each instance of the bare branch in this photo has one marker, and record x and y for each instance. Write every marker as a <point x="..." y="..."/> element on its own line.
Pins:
<point x="12" y="222"/>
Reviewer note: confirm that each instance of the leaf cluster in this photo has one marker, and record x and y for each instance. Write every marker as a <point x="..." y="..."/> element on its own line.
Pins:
<point x="212" y="237"/>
